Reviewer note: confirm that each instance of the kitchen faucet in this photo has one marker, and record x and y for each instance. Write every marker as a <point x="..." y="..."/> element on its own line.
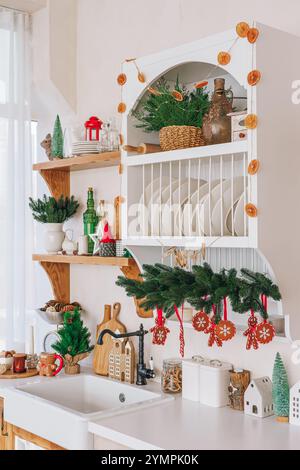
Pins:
<point x="142" y="372"/>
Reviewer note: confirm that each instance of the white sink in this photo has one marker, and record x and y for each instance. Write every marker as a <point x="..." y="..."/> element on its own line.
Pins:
<point x="59" y="409"/>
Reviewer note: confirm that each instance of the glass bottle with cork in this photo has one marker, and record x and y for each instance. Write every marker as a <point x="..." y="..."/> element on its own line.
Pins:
<point x="90" y="220"/>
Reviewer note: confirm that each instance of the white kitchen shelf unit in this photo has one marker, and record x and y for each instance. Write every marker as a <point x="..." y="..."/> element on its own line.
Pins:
<point x="274" y="190"/>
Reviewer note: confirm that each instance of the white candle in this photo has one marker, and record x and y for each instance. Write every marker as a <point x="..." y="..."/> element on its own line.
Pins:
<point x="29" y="340"/>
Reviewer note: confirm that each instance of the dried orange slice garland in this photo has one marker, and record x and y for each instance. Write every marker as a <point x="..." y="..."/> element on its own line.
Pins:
<point x="254" y="77"/>
<point x="122" y="79"/>
<point x="242" y="29"/>
<point x="251" y="121"/>
<point x="122" y="108"/>
<point x="252" y="35"/>
<point x="177" y="95"/>
<point x="253" y="167"/>
<point x="251" y="210"/>
<point x="141" y="77"/>
<point x="224" y="58"/>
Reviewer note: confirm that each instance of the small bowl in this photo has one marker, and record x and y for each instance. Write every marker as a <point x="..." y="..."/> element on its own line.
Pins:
<point x="7" y="361"/>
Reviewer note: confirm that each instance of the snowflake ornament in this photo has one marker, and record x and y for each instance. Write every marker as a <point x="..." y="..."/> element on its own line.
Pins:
<point x="265" y="332"/>
<point x="225" y="330"/>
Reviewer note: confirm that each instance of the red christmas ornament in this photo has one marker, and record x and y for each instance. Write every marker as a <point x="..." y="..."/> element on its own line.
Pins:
<point x="201" y="321"/>
<point x="213" y="337"/>
<point x="159" y="331"/>
<point x="225" y="329"/>
<point x="251" y="333"/>
<point x="265" y="332"/>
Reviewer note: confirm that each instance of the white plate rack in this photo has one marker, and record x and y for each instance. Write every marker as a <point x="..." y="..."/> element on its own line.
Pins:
<point x="189" y="195"/>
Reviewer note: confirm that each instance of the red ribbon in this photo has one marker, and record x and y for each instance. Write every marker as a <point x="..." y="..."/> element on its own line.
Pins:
<point x="225" y="309"/>
<point x="264" y="300"/>
<point x="159" y="316"/>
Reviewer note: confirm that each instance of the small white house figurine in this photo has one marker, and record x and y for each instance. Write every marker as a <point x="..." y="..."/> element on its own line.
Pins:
<point x="295" y="404"/>
<point x="258" y="398"/>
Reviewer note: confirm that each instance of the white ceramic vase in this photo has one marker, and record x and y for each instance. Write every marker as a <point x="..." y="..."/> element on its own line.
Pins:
<point x="54" y="237"/>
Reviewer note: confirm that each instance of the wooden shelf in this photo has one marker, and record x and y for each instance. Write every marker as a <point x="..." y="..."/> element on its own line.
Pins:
<point x="206" y="151"/>
<point x="86" y="260"/>
<point x="83" y="162"/>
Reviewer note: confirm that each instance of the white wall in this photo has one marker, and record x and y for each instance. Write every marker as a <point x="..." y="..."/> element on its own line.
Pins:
<point x="108" y="32"/>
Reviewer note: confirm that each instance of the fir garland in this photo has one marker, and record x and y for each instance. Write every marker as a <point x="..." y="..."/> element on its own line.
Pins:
<point x="164" y="287"/>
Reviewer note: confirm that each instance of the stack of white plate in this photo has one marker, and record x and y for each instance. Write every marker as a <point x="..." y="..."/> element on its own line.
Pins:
<point x="85" y="147"/>
<point x="193" y="208"/>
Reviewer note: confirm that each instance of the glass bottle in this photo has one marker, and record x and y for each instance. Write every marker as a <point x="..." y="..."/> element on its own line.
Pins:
<point x="171" y="377"/>
<point x="90" y="220"/>
<point x="104" y="137"/>
<point x="113" y="137"/>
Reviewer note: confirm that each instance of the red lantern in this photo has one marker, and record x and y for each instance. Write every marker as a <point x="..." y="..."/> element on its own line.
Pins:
<point x="92" y="129"/>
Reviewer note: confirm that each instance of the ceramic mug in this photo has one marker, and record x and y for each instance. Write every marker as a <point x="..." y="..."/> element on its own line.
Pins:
<point x="47" y="366"/>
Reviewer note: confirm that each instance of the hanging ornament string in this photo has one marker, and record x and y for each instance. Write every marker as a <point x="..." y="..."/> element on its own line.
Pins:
<point x="211" y="331"/>
<point x="181" y="334"/>
<point x="265" y="331"/>
<point x="225" y="329"/>
<point x="250" y="333"/>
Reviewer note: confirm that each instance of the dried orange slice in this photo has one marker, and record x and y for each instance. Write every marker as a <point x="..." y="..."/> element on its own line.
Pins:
<point x="201" y="85"/>
<point x="253" y="167"/>
<point x="121" y="139"/>
<point x="224" y="58"/>
<point x="153" y="91"/>
<point x="251" y="121"/>
<point x="122" y="79"/>
<point x="177" y="95"/>
<point x="252" y="35"/>
<point x="251" y="210"/>
<point x="141" y="77"/>
<point x="122" y="108"/>
<point x="242" y="29"/>
<point x="254" y="77"/>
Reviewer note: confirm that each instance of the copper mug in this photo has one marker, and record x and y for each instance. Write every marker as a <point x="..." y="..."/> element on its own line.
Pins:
<point x="19" y="363"/>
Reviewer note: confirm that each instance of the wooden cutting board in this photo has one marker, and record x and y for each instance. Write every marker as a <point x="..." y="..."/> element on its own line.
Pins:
<point x="102" y="352"/>
<point x="97" y="349"/>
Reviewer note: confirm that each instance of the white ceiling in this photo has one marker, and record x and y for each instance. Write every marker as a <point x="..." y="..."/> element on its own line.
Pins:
<point x="24" y="5"/>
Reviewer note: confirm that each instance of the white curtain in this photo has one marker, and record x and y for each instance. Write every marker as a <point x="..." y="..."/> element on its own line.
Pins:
<point x="15" y="176"/>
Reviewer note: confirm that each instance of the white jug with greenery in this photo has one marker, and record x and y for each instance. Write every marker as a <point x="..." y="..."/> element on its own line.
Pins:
<point x="53" y="213"/>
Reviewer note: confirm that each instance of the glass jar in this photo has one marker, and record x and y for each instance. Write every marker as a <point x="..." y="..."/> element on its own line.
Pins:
<point x="171" y="379"/>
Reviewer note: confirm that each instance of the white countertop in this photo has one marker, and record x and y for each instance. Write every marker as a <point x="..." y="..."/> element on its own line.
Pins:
<point x="185" y="425"/>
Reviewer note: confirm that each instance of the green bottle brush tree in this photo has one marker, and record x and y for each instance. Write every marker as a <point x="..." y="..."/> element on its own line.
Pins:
<point x="57" y="140"/>
<point x="74" y="342"/>
<point x="53" y="211"/>
<point x="281" y="390"/>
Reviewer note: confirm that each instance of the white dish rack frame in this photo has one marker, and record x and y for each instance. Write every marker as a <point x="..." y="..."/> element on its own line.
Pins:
<point x="274" y="190"/>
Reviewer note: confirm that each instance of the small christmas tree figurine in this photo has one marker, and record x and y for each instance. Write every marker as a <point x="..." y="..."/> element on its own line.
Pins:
<point x="281" y="391"/>
<point x="74" y="343"/>
<point x="58" y="140"/>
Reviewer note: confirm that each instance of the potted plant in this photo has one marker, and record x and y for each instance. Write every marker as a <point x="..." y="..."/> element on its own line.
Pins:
<point x="74" y="343"/>
<point x="177" y="114"/>
<point x="53" y="213"/>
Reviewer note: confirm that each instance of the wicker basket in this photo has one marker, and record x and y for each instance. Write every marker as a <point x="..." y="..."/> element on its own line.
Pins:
<point x="180" y="137"/>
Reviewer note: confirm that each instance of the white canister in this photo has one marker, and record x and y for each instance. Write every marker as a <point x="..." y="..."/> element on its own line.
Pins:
<point x="191" y="381"/>
<point x="215" y="380"/>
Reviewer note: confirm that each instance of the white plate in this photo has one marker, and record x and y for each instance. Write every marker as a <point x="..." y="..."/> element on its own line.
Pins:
<point x="239" y="218"/>
<point x="229" y="195"/>
<point x="229" y="217"/>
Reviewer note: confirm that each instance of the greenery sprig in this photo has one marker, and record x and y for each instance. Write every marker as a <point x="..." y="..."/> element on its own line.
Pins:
<point x="172" y="107"/>
<point x="51" y="211"/>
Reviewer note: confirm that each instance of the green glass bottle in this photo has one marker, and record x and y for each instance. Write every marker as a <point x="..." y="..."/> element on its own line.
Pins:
<point x="90" y="220"/>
